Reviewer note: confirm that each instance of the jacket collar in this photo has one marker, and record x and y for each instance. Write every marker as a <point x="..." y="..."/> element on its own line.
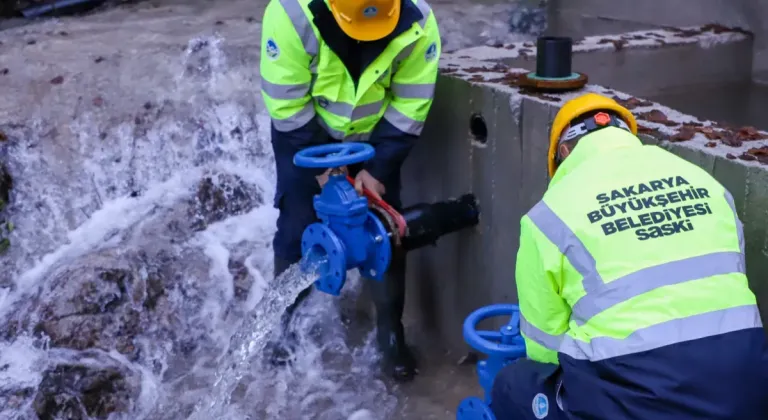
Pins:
<point x="593" y="145"/>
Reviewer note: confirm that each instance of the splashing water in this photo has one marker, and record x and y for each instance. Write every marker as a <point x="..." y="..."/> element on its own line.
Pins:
<point x="150" y="289"/>
<point x="138" y="284"/>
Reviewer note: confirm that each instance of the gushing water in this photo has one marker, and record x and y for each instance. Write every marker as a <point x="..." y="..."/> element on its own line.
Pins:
<point x="138" y="284"/>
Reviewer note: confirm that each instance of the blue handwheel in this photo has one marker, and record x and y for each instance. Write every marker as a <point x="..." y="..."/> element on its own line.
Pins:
<point x="507" y="342"/>
<point x="333" y="155"/>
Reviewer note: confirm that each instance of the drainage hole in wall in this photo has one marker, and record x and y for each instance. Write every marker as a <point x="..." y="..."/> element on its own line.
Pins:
<point x="477" y="128"/>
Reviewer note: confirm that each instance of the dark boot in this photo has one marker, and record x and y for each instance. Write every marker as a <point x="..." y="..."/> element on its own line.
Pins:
<point x="389" y="299"/>
<point x="281" y="352"/>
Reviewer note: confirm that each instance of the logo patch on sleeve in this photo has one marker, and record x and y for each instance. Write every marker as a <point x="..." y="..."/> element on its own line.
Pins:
<point x="273" y="51"/>
<point x="431" y="52"/>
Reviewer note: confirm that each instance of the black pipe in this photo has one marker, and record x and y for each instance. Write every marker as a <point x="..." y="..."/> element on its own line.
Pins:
<point x="428" y="222"/>
<point x="60" y="7"/>
<point x="553" y="56"/>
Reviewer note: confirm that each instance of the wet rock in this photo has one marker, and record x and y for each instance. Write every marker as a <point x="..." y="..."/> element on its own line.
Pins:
<point x="86" y="390"/>
<point x="243" y="281"/>
<point x="6" y="184"/>
<point x="15" y="398"/>
<point x="94" y="307"/>
<point x="222" y="195"/>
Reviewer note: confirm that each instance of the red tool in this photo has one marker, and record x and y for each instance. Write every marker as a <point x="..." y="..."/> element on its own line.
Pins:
<point x="391" y="212"/>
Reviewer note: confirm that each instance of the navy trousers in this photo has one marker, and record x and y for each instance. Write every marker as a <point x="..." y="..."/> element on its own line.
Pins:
<point x="296" y="188"/>
<point x="527" y="390"/>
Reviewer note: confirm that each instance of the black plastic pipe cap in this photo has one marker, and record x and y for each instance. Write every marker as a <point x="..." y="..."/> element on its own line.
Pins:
<point x="553" y="57"/>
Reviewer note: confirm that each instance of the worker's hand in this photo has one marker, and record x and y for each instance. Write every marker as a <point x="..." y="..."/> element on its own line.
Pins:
<point x="323" y="178"/>
<point x="365" y="179"/>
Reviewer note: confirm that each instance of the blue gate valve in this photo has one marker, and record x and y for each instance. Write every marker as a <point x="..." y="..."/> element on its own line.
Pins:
<point x="348" y="235"/>
<point x="502" y="348"/>
<point x="359" y="232"/>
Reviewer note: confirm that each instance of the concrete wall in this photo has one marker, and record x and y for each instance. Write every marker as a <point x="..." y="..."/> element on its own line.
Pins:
<point x="646" y="62"/>
<point x="578" y="18"/>
<point x="508" y="173"/>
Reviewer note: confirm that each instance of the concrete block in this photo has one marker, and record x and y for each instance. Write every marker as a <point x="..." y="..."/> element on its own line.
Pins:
<point x="594" y="17"/>
<point x="755" y="13"/>
<point x="646" y="62"/>
<point x="732" y="174"/>
<point x="755" y="221"/>
<point x="699" y="157"/>
<point x="580" y="18"/>
<point x="508" y="173"/>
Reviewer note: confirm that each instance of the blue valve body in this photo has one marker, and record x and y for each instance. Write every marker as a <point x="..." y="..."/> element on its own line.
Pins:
<point x="502" y="347"/>
<point x="348" y="235"/>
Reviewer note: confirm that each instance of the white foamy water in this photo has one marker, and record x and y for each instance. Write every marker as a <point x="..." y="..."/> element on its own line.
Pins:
<point x="139" y="279"/>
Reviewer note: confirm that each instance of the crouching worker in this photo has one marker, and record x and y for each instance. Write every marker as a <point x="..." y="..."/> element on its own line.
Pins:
<point x="347" y="70"/>
<point x="633" y="295"/>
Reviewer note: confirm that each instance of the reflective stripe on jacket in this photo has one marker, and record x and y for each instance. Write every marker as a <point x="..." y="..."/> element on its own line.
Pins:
<point x="302" y="77"/>
<point x="631" y="249"/>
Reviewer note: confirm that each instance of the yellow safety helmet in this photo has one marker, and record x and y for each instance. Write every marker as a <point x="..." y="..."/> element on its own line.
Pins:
<point x="366" y="20"/>
<point x="579" y="106"/>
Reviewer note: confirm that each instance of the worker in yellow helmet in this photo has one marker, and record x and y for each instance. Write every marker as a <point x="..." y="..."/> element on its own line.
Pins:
<point x="347" y="70"/>
<point x="632" y="288"/>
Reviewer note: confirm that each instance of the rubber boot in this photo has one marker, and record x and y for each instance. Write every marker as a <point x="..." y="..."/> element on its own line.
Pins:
<point x="389" y="299"/>
<point x="280" y="352"/>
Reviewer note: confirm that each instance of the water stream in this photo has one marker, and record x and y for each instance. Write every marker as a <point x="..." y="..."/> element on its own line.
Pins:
<point x="138" y="283"/>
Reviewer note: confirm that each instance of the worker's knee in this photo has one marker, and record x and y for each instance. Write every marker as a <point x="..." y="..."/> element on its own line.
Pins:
<point x="525" y="390"/>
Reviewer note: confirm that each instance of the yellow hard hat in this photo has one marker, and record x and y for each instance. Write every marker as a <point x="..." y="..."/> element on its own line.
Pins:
<point x="579" y="106"/>
<point x="366" y="20"/>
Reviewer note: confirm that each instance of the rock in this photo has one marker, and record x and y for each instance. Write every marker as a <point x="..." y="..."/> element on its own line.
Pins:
<point x="221" y="195"/>
<point x="108" y="299"/>
<point x="98" y="305"/>
<point x="6" y="184"/>
<point x="15" y="398"/>
<point x="86" y="390"/>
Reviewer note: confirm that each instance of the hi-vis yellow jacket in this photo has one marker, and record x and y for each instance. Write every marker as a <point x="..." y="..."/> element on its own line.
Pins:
<point x="303" y="78"/>
<point x="631" y="249"/>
